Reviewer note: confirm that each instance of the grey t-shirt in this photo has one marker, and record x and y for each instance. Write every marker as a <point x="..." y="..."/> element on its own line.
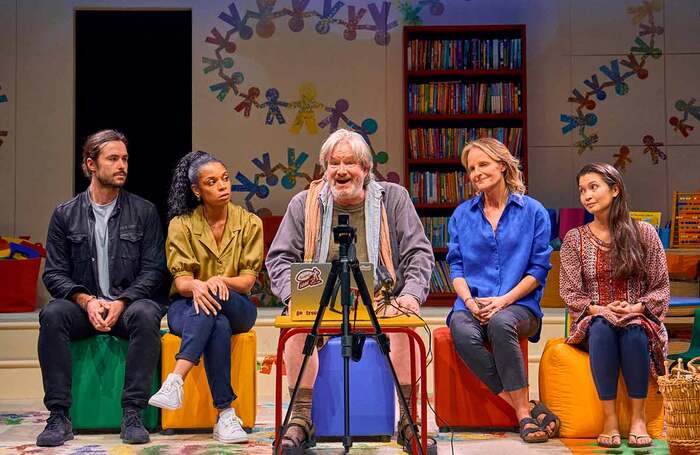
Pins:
<point x="102" y="214"/>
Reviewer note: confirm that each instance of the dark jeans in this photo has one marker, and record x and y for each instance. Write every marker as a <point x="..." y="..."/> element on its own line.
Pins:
<point x="62" y="321"/>
<point x="613" y="348"/>
<point x="504" y="369"/>
<point x="211" y="335"/>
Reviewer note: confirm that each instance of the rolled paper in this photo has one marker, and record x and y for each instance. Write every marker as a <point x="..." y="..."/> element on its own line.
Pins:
<point x="569" y="219"/>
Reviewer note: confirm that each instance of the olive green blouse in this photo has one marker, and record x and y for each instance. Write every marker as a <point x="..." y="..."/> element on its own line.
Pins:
<point x="192" y="250"/>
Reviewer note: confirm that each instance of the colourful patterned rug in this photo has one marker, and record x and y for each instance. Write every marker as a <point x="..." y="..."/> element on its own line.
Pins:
<point x="18" y="431"/>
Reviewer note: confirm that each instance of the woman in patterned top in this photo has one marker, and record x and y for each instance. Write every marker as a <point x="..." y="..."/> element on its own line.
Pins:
<point x="614" y="282"/>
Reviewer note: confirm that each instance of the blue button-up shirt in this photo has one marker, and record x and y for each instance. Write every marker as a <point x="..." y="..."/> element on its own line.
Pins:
<point x="493" y="263"/>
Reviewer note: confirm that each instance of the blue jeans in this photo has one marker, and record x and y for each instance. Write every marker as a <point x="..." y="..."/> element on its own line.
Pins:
<point x="211" y="335"/>
<point x="612" y="349"/>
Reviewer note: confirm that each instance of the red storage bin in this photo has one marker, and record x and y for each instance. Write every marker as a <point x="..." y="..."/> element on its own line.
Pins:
<point x="18" y="284"/>
<point x="462" y="401"/>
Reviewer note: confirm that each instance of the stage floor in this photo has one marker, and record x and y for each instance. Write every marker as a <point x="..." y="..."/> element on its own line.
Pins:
<point x="21" y="421"/>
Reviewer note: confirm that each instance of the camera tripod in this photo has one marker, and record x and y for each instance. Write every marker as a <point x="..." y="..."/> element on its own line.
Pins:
<point x="341" y="268"/>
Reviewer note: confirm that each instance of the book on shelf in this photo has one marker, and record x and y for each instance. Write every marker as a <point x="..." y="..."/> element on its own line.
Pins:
<point x="435" y="228"/>
<point x="464" y="54"/>
<point x="438" y="187"/>
<point x="440" y="280"/>
<point x="448" y="143"/>
<point x="458" y="97"/>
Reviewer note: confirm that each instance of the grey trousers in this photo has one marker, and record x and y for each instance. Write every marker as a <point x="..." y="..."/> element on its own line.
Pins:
<point x="504" y="369"/>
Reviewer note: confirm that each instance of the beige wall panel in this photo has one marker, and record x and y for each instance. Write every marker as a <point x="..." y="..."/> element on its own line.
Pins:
<point x="551" y="176"/>
<point x="8" y="57"/>
<point x="682" y="85"/>
<point x="682" y="26"/>
<point x="604" y="27"/>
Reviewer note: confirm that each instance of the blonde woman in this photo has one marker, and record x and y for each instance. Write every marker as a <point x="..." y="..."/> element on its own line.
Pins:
<point x="499" y="259"/>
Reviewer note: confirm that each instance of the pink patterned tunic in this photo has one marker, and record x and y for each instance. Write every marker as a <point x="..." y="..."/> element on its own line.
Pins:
<point x="586" y="279"/>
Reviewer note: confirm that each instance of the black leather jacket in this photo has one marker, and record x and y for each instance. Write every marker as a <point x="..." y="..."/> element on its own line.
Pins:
<point x="137" y="267"/>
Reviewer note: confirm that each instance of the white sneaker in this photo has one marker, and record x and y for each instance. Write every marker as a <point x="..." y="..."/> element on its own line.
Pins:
<point x="170" y="394"/>
<point x="228" y="428"/>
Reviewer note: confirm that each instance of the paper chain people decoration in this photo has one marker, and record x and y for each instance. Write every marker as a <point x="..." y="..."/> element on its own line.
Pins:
<point x="688" y="109"/>
<point x="306" y="108"/>
<point x="643" y="48"/>
<point x="651" y="147"/>
<point x="3" y="99"/>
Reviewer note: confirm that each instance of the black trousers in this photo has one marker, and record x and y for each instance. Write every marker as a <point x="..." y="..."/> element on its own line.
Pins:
<point x="62" y="321"/>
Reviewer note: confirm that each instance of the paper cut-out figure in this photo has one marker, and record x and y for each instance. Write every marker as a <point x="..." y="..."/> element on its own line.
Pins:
<point x="645" y="49"/>
<point x="291" y="171"/>
<point x="234" y="20"/>
<point x="252" y="188"/>
<point x="298" y="13"/>
<point x="273" y="107"/>
<point x="635" y="66"/>
<point x="613" y="74"/>
<point x="622" y="158"/>
<point x="216" y="64"/>
<point x="582" y="101"/>
<point x="229" y="83"/>
<point x="248" y="101"/>
<point x="594" y="85"/>
<point x="586" y="143"/>
<point x="381" y="25"/>
<point x="265" y="27"/>
<point x="305" y="109"/>
<point x="221" y="42"/>
<point x="577" y="122"/>
<point x="680" y="126"/>
<point x="266" y="167"/>
<point x="337" y="113"/>
<point x="688" y="108"/>
<point x="652" y="148"/>
<point x="353" y="23"/>
<point x="327" y="18"/>
<point x="646" y="9"/>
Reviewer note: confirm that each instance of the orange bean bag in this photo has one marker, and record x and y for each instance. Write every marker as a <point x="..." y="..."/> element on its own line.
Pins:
<point x="567" y="388"/>
<point x="462" y="401"/>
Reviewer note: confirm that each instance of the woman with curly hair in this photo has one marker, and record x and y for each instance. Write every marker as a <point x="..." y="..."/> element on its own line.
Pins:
<point x="614" y="281"/>
<point x="214" y="251"/>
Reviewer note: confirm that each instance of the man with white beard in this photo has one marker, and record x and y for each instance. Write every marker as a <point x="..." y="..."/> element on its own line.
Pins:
<point x="389" y="235"/>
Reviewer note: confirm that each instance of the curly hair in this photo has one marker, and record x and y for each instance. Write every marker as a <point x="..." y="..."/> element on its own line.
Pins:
<point x="181" y="198"/>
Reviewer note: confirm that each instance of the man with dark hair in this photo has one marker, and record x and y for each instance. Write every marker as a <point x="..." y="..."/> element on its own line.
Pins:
<point x="105" y="263"/>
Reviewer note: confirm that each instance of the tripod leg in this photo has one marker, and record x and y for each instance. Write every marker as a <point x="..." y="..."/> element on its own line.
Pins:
<point x="309" y="346"/>
<point x="383" y="342"/>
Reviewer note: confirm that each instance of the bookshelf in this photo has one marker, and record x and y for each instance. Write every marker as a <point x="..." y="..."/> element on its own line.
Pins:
<point x="459" y="83"/>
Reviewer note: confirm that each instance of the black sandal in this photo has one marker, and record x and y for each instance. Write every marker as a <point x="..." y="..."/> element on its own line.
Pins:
<point x="298" y="446"/>
<point x="404" y="438"/>
<point x="538" y="409"/>
<point x="525" y="432"/>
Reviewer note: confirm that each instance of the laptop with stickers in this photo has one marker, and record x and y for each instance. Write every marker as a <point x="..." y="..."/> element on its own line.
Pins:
<point x="308" y="281"/>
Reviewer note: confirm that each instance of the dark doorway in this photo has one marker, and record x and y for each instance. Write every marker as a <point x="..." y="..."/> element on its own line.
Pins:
<point x="133" y="73"/>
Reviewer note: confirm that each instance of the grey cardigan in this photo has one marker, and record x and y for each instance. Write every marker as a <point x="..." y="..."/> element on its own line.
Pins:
<point x="412" y="253"/>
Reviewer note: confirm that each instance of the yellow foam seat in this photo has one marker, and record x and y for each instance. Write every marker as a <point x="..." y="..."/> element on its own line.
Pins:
<point x="197" y="410"/>
<point x="567" y="388"/>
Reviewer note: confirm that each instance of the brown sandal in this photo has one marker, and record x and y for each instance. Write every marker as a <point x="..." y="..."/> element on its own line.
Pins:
<point x="526" y="432"/>
<point x="298" y="446"/>
<point x="404" y="438"/>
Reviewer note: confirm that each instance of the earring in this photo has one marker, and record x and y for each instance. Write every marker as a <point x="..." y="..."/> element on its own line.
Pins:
<point x="198" y="197"/>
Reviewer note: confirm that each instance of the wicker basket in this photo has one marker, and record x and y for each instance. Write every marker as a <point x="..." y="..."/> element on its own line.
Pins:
<point x="680" y="388"/>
